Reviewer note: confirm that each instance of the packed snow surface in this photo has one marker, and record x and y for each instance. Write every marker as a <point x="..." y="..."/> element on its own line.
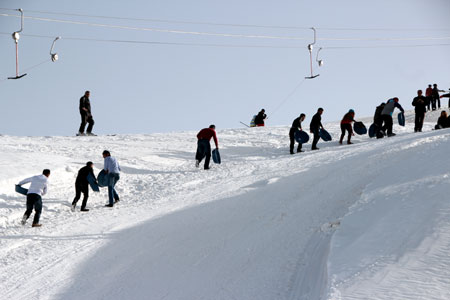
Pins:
<point x="364" y="221"/>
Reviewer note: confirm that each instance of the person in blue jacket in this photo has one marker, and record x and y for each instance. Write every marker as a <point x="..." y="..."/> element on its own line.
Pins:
<point x="386" y="115"/>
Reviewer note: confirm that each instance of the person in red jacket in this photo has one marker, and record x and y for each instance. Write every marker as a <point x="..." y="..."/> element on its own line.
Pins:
<point x="346" y="124"/>
<point x="204" y="147"/>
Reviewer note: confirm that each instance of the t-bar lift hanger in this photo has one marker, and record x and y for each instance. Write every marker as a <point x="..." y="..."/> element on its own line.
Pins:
<point x="16" y="37"/>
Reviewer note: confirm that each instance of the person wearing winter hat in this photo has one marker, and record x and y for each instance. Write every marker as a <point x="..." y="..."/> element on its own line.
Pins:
<point x="346" y="125"/>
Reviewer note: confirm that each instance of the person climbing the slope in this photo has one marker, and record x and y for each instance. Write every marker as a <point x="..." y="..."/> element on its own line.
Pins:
<point x="82" y="185"/>
<point x="386" y="114"/>
<point x="446" y="96"/>
<point x="378" y="120"/>
<point x="204" y="147"/>
<point x="38" y="188"/>
<point x="296" y="125"/>
<point x="346" y="125"/>
<point x="260" y="117"/>
<point x="314" y="127"/>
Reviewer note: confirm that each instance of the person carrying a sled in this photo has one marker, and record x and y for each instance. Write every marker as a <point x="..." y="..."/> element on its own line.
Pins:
<point x="386" y="115"/>
<point x="112" y="170"/>
<point x="419" y="103"/>
<point x="82" y="185"/>
<point x="314" y="127"/>
<point x="86" y="115"/>
<point x="446" y="96"/>
<point x="38" y="188"/>
<point x="346" y="125"/>
<point x="260" y="117"/>
<point x="204" y="147"/>
<point x="296" y="125"/>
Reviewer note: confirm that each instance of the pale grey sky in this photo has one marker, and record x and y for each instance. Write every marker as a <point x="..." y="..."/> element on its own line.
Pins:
<point x="170" y="79"/>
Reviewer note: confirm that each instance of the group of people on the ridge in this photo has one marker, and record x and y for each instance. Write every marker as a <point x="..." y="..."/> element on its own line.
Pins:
<point x="39" y="186"/>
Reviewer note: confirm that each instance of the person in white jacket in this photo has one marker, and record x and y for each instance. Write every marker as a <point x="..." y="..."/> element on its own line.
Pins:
<point x="38" y="188"/>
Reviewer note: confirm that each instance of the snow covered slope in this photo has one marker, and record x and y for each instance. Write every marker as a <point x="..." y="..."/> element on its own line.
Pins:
<point x="363" y="221"/>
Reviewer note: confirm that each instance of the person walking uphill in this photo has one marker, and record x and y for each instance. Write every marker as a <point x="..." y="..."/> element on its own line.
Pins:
<point x="296" y="125"/>
<point x="112" y="169"/>
<point x="315" y="126"/>
<point x="82" y="185"/>
<point x="203" y="146"/>
<point x="38" y="188"/>
<point x="419" y="103"/>
<point x="386" y="114"/>
<point x="260" y="117"/>
<point x="86" y="115"/>
<point x="346" y="125"/>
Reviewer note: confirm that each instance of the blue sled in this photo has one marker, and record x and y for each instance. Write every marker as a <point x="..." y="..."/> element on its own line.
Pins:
<point x="102" y="179"/>
<point x="216" y="156"/>
<point x="21" y="190"/>
<point x="359" y="128"/>
<point x="301" y="137"/>
<point x="324" y="135"/>
<point x="401" y="119"/>
<point x="93" y="183"/>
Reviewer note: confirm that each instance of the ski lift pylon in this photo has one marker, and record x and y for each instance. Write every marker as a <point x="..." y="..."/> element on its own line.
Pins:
<point x="16" y="37"/>
<point x="310" y="49"/>
<point x="54" y="56"/>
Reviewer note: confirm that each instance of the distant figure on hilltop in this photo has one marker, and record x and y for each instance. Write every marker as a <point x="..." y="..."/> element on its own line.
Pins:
<point x="419" y="103"/>
<point x="204" y="147"/>
<point x="314" y="127"/>
<point x="86" y="115"/>
<point x="260" y="117"/>
<point x="436" y="98"/>
<point x="346" y="125"/>
<point x="443" y="121"/>
<point x="38" y="188"/>
<point x="429" y="96"/>
<point x="386" y="114"/>
<point x="446" y="96"/>
<point x="296" y="125"/>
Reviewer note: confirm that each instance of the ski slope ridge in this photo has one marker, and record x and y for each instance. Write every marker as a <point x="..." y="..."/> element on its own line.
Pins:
<point x="362" y="221"/>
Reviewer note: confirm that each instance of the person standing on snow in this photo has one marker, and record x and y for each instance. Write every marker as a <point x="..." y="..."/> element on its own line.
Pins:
<point x="296" y="125"/>
<point x="386" y="114"/>
<point x="314" y="127"/>
<point x="378" y="120"/>
<point x="38" y="188"/>
<point x="112" y="170"/>
<point x="260" y="117"/>
<point x="419" y="103"/>
<point x="86" y="115"/>
<point x="82" y="185"/>
<point x="204" y="147"/>
<point x="346" y="125"/>
<point x="436" y="97"/>
<point x="446" y="96"/>
<point x="429" y="96"/>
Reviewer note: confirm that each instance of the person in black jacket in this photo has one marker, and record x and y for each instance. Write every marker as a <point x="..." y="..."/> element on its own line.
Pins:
<point x="443" y="121"/>
<point x="82" y="185"/>
<point x="260" y="117"/>
<point x="419" y="103"/>
<point x="296" y="125"/>
<point x="86" y="115"/>
<point x="315" y="126"/>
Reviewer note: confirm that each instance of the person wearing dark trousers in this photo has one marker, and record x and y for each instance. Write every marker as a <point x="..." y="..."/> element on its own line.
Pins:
<point x="436" y="98"/>
<point x="86" y="115"/>
<point x="204" y="147"/>
<point x="38" y="188"/>
<point x="446" y="96"/>
<point x="82" y="185"/>
<point x="378" y="120"/>
<point x="315" y="126"/>
<point x="260" y="117"/>
<point x="112" y="170"/>
<point x="346" y="125"/>
<point x="419" y="103"/>
<point x="296" y="125"/>
<point x="429" y="96"/>
<point x="443" y="121"/>
<point x="386" y="114"/>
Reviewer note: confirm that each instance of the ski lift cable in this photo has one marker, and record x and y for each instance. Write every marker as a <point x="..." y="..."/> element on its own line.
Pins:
<point x="231" y="24"/>
<point x="226" y="45"/>
<point x="232" y="35"/>
<point x="288" y="96"/>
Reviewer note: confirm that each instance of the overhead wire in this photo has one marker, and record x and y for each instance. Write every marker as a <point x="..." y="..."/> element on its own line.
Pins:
<point x="232" y="35"/>
<point x="227" y="24"/>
